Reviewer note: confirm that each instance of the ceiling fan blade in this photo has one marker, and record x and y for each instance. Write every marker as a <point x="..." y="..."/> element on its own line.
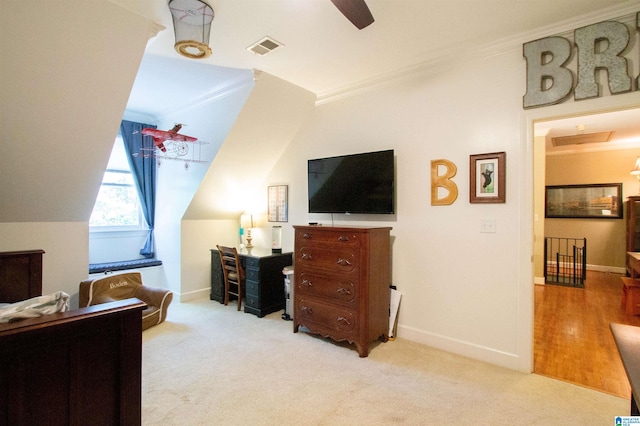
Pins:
<point x="356" y="11"/>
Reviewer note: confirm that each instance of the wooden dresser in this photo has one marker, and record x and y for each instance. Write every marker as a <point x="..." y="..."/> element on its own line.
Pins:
<point x="633" y="226"/>
<point x="20" y="275"/>
<point x="342" y="283"/>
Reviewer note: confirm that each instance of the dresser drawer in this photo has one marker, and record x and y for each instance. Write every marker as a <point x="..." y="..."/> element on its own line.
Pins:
<point x="252" y="301"/>
<point x="336" y="290"/>
<point x="251" y="262"/>
<point x="317" y="315"/>
<point x="341" y="238"/>
<point x="252" y="288"/>
<point x="338" y="261"/>
<point x="252" y="274"/>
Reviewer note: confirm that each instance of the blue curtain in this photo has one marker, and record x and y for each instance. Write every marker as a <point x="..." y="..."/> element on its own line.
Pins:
<point x="144" y="172"/>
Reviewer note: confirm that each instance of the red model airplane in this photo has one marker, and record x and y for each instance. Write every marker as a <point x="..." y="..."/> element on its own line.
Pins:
<point x="160" y="136"/>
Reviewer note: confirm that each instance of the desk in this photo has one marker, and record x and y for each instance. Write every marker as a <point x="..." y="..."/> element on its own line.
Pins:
<point x="264" y="284"/>
<point x="627" y="338"/>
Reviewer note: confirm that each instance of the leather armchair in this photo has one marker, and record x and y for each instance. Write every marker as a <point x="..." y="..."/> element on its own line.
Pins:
<point x="125" y="286"/>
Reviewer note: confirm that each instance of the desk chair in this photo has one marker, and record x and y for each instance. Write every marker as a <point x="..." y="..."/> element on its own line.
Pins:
<point x="234" y="277"/>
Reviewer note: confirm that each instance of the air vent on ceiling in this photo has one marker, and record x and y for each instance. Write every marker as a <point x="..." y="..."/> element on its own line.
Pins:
<point x="582" y="138"/>
<point x="264" y="46"/>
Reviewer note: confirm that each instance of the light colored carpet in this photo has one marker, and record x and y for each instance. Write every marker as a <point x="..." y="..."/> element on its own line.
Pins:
<point x="209" y="364"/>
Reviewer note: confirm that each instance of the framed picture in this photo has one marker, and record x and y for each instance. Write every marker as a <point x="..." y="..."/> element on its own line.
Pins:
<point x="278" y="203"/>
<point x="597" y="201"/>
<point x="487" y="177"/>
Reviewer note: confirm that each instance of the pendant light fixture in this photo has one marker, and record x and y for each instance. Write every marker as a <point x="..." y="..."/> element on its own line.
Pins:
<point x="192" y="26"/>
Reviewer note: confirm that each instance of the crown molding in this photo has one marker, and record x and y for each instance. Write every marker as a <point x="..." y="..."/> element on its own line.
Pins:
<point x="155" y="29"/>
<point x="623" y="13"/>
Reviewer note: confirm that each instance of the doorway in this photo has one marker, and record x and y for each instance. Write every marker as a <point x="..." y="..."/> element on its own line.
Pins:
<point x="572" y="329"/>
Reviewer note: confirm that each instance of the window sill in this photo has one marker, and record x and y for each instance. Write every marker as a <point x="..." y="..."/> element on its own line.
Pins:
<point x="95" y="268"/>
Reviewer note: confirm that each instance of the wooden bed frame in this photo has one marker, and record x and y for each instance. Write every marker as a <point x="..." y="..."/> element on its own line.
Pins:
<point x="78" y="367"/>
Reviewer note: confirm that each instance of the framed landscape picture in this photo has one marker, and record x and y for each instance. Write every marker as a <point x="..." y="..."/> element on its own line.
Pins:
<point x="596" y="201"/>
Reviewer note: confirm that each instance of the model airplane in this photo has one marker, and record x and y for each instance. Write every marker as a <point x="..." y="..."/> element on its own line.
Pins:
<point x="160" y="136"/>
<point x="172" y="146"/>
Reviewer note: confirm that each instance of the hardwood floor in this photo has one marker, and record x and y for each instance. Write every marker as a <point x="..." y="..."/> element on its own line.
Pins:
<point x="572" y="339"/>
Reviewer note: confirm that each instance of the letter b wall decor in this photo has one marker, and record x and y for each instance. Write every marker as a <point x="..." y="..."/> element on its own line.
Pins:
<point x="443" y="181"/>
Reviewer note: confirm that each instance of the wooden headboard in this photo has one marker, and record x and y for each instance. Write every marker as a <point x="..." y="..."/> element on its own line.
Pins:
<point x="20" y="275"/>
<point x="81" y="367"/>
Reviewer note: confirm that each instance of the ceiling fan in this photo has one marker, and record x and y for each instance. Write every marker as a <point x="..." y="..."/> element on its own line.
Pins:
<point x="356" y="11"/>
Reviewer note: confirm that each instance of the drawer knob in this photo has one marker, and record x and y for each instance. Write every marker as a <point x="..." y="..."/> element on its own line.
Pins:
<point x="343" y="320"/>
<point x="344" y="262"/>
<point x="307" y="310"/>
<point x="343" y="291"/>
<point x="306" y="236"/>
<point x="307" y="283"/>
<point x="306" y="256"/>
<point x="343" y="239"/>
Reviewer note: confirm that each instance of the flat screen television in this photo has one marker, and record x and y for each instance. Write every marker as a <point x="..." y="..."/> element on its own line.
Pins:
<point x="358" y="183"/>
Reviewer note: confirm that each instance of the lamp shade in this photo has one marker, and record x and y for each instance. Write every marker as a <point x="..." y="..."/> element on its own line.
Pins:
<point x="246" y="221"/>
<point x="636" y="169"/>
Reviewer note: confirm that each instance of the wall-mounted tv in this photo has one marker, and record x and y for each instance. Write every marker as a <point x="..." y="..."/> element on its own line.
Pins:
<point x="358" y="183"/>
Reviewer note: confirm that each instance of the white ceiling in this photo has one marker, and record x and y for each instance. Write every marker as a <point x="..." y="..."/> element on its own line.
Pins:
<point x="325" y="54"/>
<point x="625" y="125"/>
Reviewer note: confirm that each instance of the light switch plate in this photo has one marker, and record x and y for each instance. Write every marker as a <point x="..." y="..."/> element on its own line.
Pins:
<point x="488" y="226"/>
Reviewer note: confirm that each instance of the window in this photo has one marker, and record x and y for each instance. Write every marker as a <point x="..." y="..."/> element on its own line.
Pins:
<point x="117" y="207"/>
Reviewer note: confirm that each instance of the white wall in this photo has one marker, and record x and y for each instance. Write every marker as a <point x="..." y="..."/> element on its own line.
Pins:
<point x="199" y="237"/>
<point x="67" y="71"/>
<point x="460" y="287"/>
<point x="66" y="247"/>
<point x="464" y="291"/>
<point x="116" y="246"/>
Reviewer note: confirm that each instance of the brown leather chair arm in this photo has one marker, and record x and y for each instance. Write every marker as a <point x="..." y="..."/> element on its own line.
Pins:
<point x="153" y="296"/>
<point x="84" y="293"/>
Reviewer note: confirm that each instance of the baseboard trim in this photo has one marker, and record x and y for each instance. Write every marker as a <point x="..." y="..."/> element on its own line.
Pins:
<point x="194" y="295"/>
<point x="600" y="268"/>
<point x="463" y="348"/>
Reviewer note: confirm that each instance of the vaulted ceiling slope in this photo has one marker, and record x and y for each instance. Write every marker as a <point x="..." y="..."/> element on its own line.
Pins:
<point x="269" y="120"/>
<point x="67" y="69"/>
<point x="166" y="86"/>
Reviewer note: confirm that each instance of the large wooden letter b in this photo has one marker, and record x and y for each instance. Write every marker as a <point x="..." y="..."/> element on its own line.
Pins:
<point x="443" y="181"/>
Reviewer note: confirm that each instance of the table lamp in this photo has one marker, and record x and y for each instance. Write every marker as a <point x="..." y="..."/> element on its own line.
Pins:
<point x="246" y="222"/>
<point x="636" y="169"/>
